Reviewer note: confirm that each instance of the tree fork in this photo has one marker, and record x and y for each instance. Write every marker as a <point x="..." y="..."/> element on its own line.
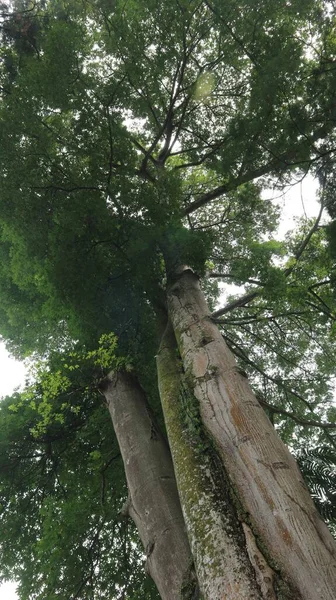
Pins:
<point x="153" y="501"/>
<point x="262" y="471"/>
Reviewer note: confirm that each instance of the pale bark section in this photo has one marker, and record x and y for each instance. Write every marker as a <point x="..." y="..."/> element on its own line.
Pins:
<point x="263" y="472"/>
<point x="153" y="498"/>
<point x="264" y="573"/>
<point x="216" y="537"/>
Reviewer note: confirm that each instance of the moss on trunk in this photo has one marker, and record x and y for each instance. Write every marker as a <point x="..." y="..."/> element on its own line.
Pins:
<point x="215" y="532"/>
<point x="279" y="512"/>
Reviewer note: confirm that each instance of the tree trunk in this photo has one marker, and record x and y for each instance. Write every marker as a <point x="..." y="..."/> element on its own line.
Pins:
<point x="153" y="501"/>
<point x="216" y="536"/>
<point x="276" y="506"/>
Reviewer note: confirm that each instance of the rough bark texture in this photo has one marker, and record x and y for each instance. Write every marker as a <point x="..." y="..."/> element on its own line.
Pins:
<point x="267" y="481"/>
<point x="216" y="536"/>
<point x="153" y="500"/>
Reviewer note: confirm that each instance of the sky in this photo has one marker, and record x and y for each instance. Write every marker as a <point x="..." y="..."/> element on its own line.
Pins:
<point x="12" y="375"/>
<point x="12" y="372"/>
<point x="7" y="591"/>
<point x="299" y="200"/>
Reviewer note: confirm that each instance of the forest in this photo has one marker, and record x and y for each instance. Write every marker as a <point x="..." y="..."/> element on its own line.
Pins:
<point x="175" y="439"/>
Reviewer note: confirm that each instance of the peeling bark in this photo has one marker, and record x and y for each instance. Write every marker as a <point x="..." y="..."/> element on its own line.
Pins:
<point x="216" y="536"/>
<point x="266" y="479"/>
<point x="264" y="574"/>
<point x="153" y="501"/>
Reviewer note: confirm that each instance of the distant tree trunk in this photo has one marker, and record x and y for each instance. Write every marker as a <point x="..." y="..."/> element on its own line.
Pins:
<point x="275" y="507"/>
<point x="153" y="501"/>
<point x="215" y="533"/>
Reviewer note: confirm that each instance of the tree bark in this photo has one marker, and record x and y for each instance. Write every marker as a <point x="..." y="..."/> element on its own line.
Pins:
<point x="153" y="501"/>
<point x="216" y="536"/>
<point x="275" y="503"/>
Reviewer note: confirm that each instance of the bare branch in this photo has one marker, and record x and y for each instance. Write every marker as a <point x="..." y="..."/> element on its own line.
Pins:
<point x="214" y="275"/>
<point x="299" y="420"/>
<point x="305" y="242"/>
<point x="231" y="185"/>
<point x="235" y="304"/>
<point x="281" y="163"/>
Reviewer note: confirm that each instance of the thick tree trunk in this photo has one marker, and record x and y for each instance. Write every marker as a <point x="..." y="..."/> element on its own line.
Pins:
<point x="153" y="501"/>
<point x="275" y="503"/>
<point x="216" y="536"/>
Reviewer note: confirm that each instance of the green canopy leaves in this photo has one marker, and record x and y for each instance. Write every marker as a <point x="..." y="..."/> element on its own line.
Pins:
<point x="135" y="136"/>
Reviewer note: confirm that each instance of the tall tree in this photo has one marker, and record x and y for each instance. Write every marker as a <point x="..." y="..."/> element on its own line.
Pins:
<point x="136" y="140"/>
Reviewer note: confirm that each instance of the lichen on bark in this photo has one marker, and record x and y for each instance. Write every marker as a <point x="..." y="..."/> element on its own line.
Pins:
<point x="264" y="475"/>
<point x="215" y="534"/>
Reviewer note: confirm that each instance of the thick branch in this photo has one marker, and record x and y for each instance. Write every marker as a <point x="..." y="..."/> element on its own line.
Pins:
<point x="215" y="275"/>
<point x="231" y="185"/>
<point x="235" y="304"/>
<point x="282" y="162"/>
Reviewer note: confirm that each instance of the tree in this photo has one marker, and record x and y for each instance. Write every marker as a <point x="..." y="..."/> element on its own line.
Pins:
<point x="74" y="530"/>
<point x="136" y="140"/>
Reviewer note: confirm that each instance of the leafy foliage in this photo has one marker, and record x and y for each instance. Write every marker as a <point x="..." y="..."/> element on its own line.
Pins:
<point x="134" y="137"/>
<point x="285" y="341"/>
<point x="63" y="487"/>
<point x="318" y="466"/>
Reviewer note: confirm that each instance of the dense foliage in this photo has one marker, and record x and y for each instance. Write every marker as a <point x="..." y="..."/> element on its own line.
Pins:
<point x="135" y="136"/>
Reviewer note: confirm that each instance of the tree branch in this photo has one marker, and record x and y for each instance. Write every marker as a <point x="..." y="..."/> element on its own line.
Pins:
<point x="215" y="275"/>
<point x="303" y="422"/>
<point x="237" y="351"/>
<point x="235" y="304"/>
<point x="305" y="242"/>
<point x="282" y="162"/>
<point x="226" y="187"/>
<point x="246" y="298"/>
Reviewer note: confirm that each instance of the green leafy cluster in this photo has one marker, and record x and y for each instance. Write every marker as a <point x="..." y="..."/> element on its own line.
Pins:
<point x="54" y="381"/>
<point x="137" y="137"/>
<point x="63" y="486"/>
<point x="318" y="466"/>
